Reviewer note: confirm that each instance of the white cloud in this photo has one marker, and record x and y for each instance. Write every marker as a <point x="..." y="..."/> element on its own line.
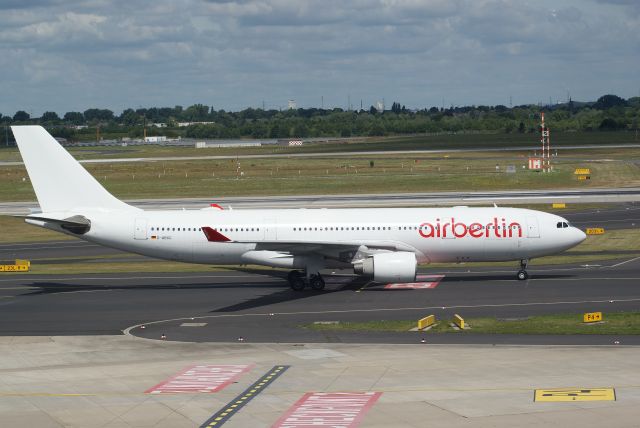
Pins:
<point x="64" y="55"/>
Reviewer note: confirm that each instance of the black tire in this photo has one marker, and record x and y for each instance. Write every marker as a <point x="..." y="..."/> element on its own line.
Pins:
<point x="317" y="283"/>
<point x="298" y="284"/>
<point x="293" y="276"/>
<point x="296" y="280"/>
<point x="522" y="275"/>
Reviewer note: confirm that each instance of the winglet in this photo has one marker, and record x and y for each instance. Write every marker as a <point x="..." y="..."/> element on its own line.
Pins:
<point x="213" y="235"/>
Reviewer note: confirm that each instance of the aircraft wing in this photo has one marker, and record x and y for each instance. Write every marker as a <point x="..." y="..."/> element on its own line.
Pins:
<point x="343" y="250"/>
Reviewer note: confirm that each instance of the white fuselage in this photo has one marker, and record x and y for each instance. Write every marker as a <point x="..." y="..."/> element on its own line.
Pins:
<point x="458" y="234"/>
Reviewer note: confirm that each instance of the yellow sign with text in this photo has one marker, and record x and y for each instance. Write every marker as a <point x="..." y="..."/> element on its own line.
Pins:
<point x="575" y="394"/>
<point x="426" y="322"/>
<point x="592" y="317"/>
<point x="14" y="268"/>
<point x="595" y="231"/>
<point x="582" y="171"/>
<point x="559" y="205"/>
<point x="459" y="321"/>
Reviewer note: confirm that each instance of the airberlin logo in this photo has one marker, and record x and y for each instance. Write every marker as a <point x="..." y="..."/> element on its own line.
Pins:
<point x="453" y="229"/>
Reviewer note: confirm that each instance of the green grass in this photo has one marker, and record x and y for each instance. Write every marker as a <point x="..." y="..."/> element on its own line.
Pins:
<point x="14" y="229"/>
<point x="333" y="175"/>
<point x="613" y="323"/>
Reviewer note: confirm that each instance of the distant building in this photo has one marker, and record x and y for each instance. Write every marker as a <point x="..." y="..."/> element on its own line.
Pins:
<point x="380" y="106"/>
<point x="183" y="124"/>
<point x="156" y="139"/>
<point x="292" y="105"/>
<point x="290" y="143"/>
<point x="159" y="124"/>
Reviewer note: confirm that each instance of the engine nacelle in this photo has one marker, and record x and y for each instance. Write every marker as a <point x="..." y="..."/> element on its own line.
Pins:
<point x="389" y="267"/>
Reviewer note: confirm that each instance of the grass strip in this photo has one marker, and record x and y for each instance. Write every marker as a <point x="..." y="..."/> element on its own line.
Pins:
<point x="613" y="323"/>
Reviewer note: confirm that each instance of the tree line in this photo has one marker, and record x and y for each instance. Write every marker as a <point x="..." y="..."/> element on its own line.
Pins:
<point x="609" y="112"/>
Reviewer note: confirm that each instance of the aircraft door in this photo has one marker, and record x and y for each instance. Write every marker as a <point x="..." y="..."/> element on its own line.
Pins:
<point x="140" y="229"/>
<point x="533" y="231"/>
<point x="270" y="231"/>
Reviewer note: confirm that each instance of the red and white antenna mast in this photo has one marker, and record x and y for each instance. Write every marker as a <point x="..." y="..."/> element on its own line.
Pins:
<point x="546" y="146"/>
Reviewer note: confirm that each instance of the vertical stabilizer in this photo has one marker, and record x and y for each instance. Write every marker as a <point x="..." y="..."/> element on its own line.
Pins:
<point x="60" y="182"/>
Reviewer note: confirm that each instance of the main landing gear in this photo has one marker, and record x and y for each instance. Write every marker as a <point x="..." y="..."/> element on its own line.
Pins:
<point x="522" y="273"/>
<point x="298" y="281"/>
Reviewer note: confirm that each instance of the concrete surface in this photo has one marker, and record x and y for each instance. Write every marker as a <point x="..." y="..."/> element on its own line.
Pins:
<point x="99" y="382"/>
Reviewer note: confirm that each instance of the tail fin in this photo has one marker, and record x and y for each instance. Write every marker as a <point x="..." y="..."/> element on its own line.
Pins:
<point x="60" y="182"/>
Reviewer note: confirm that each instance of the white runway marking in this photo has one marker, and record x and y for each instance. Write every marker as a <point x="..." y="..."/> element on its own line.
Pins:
<point x="625" y="262"/>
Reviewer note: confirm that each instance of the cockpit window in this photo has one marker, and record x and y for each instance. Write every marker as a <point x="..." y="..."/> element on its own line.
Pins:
<point x="562" y="225"/>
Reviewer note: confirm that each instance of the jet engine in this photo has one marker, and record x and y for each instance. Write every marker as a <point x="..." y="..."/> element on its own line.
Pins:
<point x="388" y="267"/>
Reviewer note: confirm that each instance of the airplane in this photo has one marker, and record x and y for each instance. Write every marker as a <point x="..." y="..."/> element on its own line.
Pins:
<point x="382" y="244"/>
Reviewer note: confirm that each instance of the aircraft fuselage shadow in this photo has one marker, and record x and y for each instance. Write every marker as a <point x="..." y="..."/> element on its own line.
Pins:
<point x="59" y="287"/>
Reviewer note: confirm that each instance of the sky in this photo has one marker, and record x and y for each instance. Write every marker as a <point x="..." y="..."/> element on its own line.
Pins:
<point x="70" y="55"/>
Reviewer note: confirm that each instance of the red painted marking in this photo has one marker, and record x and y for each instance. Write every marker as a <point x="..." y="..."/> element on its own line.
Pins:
<point x="332" y="409"/>
<point x="425" y="282"/>
<point x="200" y="378"/>
<point x="216" y="206"/>
<point x="213" y="235"/>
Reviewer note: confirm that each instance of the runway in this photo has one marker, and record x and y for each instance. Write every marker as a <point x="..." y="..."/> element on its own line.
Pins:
<point x="258" y="305"/>
<point x="329" y="154"/>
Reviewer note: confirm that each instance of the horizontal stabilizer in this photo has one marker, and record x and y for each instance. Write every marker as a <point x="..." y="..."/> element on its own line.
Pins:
<point x="77" y="224"/>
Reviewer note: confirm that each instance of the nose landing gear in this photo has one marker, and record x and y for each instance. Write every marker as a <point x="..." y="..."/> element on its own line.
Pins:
<point x="522" y="273"/>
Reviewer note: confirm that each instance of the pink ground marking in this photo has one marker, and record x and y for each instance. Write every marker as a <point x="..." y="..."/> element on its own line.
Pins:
<point x="325" y="410"/>
<point x="204" y="378"/>
<point x="423" y="282"/>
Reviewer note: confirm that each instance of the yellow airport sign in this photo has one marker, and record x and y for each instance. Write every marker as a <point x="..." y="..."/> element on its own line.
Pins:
<point x="559" y="205"/>
<point x="583" y="177"/>
<point x="582" y="171"/>
<point x="23" y="262"/>
<point x="592" y="317"/>
<point x="595" y="231"/>
<point x="575" y="394"/>
<point x="457" y="320"/>
<point x="14" y="268"/>
<point x="426" y="322"/>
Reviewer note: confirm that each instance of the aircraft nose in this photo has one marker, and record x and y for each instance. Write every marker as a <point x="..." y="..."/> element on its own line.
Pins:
<point x="579" y="236"/>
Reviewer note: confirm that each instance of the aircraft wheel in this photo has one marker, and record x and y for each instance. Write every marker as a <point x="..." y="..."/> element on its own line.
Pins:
<point x="522" y="275"/>
<point x="317" y="283"/>
<point x="296" y="281"/>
